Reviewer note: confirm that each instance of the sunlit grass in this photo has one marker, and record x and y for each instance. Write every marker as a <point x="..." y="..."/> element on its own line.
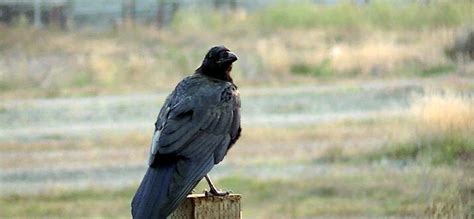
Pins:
<point x="445" y="126"/>
<point x="438" y="115"/>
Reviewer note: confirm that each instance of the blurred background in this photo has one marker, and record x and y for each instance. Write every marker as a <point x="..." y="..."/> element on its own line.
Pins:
<point x="358" y="108"/>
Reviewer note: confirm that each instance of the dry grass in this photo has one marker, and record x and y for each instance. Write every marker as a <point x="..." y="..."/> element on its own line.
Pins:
<point x="376" y="188"/>
<point x="135" y="59"/>
<point x="371" y="54"/>
<point x="284" y="43"/>
<point x="144" y="59"/>
<point x="275" y="55"/>
<point x="384" y="53"/>
<point x="307" y="143"/>
<point x="445" y="126"/>
<point x="440" y="130"/>
<point x="439" y="115"/>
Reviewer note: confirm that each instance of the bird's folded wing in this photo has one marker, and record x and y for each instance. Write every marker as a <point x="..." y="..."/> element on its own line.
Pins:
<point x="192" y="130"/>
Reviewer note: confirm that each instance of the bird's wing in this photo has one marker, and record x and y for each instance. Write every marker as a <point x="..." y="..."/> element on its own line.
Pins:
<point x="197" y="120"/>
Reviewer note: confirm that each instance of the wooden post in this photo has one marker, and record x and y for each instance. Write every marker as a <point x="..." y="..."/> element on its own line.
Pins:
<point x="198" y="206"/>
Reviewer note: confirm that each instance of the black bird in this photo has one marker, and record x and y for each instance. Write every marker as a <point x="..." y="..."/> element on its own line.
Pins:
<point x="198" y="123"/>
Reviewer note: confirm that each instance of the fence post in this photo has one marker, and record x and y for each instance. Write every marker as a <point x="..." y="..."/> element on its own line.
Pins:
<point x="37" y="13"/>
<point x="198" y="206"/>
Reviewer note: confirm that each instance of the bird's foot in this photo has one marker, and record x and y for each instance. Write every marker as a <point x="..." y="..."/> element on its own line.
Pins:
<point x="215" y="192"/>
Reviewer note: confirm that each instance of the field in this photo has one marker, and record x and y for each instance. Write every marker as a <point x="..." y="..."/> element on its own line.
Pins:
<point x="327" y="150"/>
<point x="346" y="117"/>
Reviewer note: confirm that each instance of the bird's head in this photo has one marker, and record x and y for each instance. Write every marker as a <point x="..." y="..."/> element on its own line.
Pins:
<point x="218" y="63"/>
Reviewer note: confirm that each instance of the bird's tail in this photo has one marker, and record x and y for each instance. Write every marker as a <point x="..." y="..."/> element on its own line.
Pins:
<point x="165" y="186"/>
<point x="153" y="192"/>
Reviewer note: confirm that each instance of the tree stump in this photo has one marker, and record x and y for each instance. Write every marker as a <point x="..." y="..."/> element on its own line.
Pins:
<point x="198" y="206"/>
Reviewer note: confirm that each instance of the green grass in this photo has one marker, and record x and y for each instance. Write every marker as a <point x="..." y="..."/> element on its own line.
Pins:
<point x="422" y="70"/>
<point x="438" y="70"/>
<point x="378" y="193"/>
<point x="323" y="69"/>
<point x="315" y="196"/>
<point x="438" y="150"/>
<point x="71" y="204"/>
<point x="379" y="14"/>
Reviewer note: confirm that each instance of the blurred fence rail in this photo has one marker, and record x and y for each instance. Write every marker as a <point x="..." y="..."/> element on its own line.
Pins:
<point x="106" y="14"/>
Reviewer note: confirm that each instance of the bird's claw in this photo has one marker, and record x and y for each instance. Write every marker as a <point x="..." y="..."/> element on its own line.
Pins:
<point x="212" y="193"/>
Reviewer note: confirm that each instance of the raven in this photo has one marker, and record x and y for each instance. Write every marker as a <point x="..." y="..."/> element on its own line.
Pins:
<point x="198" y="123"/>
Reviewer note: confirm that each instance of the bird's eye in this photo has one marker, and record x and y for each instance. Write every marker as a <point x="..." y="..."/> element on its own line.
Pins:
<point x="223" y="54"/>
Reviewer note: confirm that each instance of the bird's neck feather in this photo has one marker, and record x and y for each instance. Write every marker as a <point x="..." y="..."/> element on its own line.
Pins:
<point x="214" y="73"/>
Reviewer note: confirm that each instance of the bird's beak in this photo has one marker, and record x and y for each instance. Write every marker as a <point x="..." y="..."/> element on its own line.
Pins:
<point x="232" y="57"/>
